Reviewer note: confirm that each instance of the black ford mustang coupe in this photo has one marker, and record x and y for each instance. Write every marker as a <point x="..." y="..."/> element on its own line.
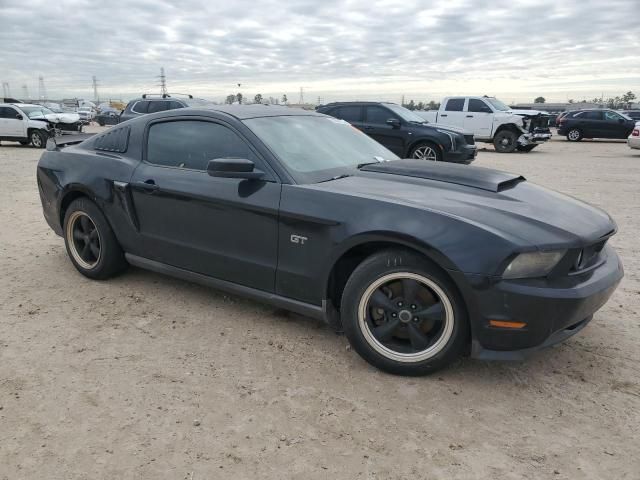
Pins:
<point x="419" y="262"/>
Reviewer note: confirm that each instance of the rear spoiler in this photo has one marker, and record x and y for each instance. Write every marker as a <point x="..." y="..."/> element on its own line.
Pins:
<point x="55" y="143"/>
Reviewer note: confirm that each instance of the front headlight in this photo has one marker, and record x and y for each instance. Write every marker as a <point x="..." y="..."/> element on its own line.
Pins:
<point x="533" y="264"/>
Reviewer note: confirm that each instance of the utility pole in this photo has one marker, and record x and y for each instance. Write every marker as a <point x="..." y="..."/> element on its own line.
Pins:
<point x="42" y="91"/>
<point x="25" y="92"/>
<point x="95" y="88"/>
<point x="163" y="82"/>
<point x="5" y="89"/>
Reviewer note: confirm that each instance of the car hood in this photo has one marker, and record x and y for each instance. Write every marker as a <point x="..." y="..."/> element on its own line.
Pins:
<point x="503" y="203"/>
<point x="59" y="117"/>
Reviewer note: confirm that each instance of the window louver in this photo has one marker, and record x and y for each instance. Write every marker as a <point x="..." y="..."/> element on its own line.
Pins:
<point x="115" y="140"/>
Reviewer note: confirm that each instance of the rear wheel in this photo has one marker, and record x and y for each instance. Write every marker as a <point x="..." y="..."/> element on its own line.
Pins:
<point x="403" y="315"/>
<point x="90" y="241"/>
<point x="574" y="135"/>
<point x="505" y="141"/>
<point x="426" y="151"/>
<point x="38" y="138"/>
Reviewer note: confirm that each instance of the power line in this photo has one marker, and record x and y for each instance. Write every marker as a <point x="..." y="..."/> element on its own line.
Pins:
<point x="163" y="82"/>
<point x="95" y="88"/>
<point x="42" y="91"/>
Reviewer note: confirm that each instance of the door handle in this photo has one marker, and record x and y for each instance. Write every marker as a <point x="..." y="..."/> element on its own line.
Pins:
<point x="469" y="116"/>
<point x="443" y="115"/>
<point x="148" y="186"/>
<point x="368" y="127"/>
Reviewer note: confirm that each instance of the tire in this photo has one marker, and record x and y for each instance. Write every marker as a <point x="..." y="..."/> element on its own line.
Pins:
<point x="505" y="141"/>
<point x="426" y="151"/>
<point x="90" y="241"/>
<point x="387" y="290"/>
<point x="526" y="148"/>
<point x="574" y="135"/>
<point x="38" y="138"/>
<point x="101" y="123"/>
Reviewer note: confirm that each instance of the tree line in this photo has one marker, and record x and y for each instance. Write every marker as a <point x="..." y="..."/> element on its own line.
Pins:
<point x="258" y="98"/>
<point x="620" y="101"/>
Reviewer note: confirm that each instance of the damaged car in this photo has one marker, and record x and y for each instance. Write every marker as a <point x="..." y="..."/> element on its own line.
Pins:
<point x="491" y="121"/>
<point x="61" y="122"/>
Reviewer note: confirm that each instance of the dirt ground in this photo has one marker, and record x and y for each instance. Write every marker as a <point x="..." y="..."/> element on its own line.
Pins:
<point x="147" y="377"/>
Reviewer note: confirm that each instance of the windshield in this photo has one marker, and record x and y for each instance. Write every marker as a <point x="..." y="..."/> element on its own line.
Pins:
<point x="497" y="104"/>
<point x="36" y="112"/>
<point x="404" y="113"/>
<point x="315" y="149"/>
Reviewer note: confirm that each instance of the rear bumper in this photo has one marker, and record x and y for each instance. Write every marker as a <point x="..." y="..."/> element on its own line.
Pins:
<point x="466" y="155"/>
<point x="553" y="310"/>
<point x="633" y="142"/>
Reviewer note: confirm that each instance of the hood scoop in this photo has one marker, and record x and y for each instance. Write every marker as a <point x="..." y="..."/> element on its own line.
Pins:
<point x="476" y="177"/>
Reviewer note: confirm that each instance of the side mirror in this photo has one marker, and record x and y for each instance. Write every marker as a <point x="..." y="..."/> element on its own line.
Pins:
<point x="19" y="116"/>
<point x="394" y="122"/>
<point x="233" y="168"/>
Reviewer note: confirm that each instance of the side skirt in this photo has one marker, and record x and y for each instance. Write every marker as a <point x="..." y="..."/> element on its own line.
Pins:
<point x="313" y="311"/>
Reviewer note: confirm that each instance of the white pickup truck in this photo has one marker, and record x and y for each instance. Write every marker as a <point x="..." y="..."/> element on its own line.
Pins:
<point x="492" y="121"/>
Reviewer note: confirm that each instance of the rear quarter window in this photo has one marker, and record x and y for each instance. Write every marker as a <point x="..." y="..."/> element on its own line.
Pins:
<point x="140" y="107"/>
<point x="115" y="140"/>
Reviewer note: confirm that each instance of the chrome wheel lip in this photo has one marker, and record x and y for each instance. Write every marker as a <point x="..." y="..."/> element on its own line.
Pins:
<point x="431" y="351"/>
<point x="425" y="153"/>
<point x="36" y="140"/>
<point x="73" y="219"/>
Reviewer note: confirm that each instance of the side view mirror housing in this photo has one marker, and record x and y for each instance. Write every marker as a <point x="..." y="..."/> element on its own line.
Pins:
<point x="233" y="168"/>
<point x="394" y="122"/>
<point x="19" y="116"/>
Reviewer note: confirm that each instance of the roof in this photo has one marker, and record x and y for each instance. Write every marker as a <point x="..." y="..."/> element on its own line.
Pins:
<point x="243" y="112"/>
<point x="356" y="103"/>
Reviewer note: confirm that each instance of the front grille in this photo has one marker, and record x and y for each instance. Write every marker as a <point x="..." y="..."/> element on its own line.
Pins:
<point x="469" y="139"/>
<point x="587" y="256"/>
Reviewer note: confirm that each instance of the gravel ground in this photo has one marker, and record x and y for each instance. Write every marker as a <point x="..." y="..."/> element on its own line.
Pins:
<point x="148" y="377"/>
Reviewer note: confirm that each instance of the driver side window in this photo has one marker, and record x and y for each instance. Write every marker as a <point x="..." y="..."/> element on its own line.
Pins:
<point x="191" y="144"/>
<point x="379" y="115"/>
<point x="612" y="116"/>
<point x="478" y="106"/>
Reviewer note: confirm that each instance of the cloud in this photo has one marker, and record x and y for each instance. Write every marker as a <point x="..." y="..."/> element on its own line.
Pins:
<point x="335" y="49"/>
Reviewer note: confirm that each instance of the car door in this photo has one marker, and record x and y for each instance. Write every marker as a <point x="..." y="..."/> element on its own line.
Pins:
<point x="375" y="125"/>
<point x="615" y="125"/>
<point x="453" y="113"/>
<point x="12" y="122"/>
<point x="478" y="118"/>
<point x="590" y="123"/>
<point x="225" y="228"/>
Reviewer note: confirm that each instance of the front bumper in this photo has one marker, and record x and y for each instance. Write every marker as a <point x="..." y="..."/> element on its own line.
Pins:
<point x="533" y="138"/>
<point x="466" y="155"/>
<point x="552" y="309"/>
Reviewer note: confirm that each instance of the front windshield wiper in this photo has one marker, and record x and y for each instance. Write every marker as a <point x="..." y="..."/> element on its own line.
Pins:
<point x="337" y="177"/>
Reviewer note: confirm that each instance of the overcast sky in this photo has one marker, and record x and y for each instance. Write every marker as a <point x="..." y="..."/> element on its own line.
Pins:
<point x="355" y="49"/>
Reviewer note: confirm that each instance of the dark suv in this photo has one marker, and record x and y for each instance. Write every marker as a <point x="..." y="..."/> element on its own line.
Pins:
<point x="150" y="103"/>
<point x="599" y="123"/>
<point x="405" y="133"/>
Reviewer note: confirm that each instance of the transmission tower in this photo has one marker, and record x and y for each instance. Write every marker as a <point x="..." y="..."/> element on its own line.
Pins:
<point x="42" y="91"/>
<point x="95" y="88"/>
<point x="25" y="92"/>
<point x="163" y="82"/>
<point x="5" y="89"/>
<point x="301" y="98"/>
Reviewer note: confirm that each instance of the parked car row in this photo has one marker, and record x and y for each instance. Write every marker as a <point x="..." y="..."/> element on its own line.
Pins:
<point x="595" y="123"/>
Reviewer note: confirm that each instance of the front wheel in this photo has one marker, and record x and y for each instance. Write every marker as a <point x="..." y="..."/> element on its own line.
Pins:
<point x="574" y="135"/>
<point x="505" y="141"/>
<point x="91" y="244"/>
<point x="426" y="151"/>
<point x="402" y="314"/>
<point x="38" y="138"/>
